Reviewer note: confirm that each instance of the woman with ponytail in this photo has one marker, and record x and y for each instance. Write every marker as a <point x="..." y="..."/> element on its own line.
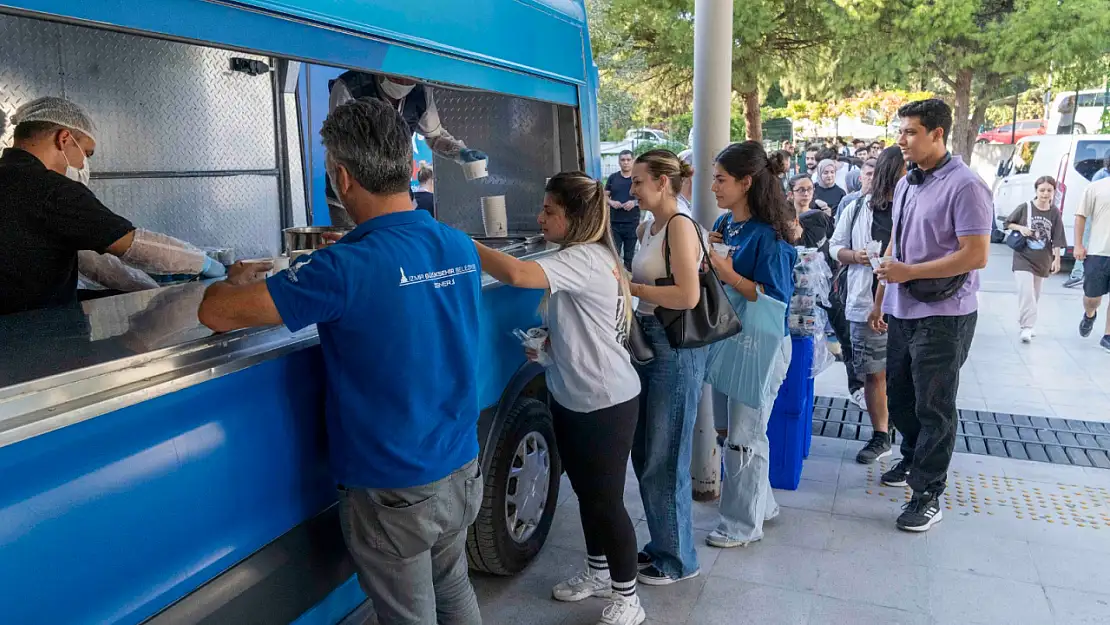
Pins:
<point x="594" y="388"/>
<point x="757" y="228"/>
<point x="672" y="383"/>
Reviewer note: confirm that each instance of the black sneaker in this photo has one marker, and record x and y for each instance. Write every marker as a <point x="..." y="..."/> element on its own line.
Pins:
<point x="920" y="513"/>
<point x="897" y="475"/>
<point x="1087" y="325"/>
<point x="652" y="576"/>
<point x="878" y="447"/>
<point x="1105" y="342"/>
<point x="643" y="560"/>
<point x="1071" y="283"/>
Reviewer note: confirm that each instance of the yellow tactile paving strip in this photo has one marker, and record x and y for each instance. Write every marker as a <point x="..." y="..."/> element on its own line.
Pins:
<point x="996" y="495"/>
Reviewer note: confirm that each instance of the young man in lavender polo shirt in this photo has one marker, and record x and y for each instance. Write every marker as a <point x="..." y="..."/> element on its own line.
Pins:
<point x="942" y="224"/>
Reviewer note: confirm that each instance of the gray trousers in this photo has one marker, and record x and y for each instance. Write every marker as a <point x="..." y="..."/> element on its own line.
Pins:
<point x="409" y="547"/>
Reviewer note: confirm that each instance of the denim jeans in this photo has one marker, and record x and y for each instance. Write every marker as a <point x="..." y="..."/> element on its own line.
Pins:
<point x="409" y="548"/>
<point x="1077" y="269"/>
<point x="746" y="497"/>
<point x="624" y="238"/>
<point x="923" y="363"/>
<point x="661" y="451"/>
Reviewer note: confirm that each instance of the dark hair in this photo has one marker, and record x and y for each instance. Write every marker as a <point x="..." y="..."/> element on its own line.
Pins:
<point x="28" y="131"/>
<point x="796" y="179"/>
<point x="871" y="162"/>
<point x="780" y="161"/>
<point x="666" y="163"/>
<point x="932" y="113"/>
<point x="863" y="149"/>
<point x="826" y="154"/>
<point x="370" y="139"/>
<point x="1043" y="179"/>
<point x="625" y="152"/>
<point x="889" y="169"/>
<point x="765" y="197"/>
<point x="813" y="148"/>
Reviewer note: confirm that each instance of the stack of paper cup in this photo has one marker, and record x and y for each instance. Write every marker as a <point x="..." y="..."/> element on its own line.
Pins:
<point x="494" y="218"/>
<point x="475" y="169"/>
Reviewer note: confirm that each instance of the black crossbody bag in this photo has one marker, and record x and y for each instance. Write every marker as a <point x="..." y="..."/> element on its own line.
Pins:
<point x="926" y="290"/>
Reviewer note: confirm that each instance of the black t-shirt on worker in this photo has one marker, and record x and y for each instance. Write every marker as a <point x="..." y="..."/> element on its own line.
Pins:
<point x="620" y="190"/>
<point x="47" y="218"/>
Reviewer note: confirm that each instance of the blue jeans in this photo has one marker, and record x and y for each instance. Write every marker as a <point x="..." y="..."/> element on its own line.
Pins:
<point x="1077" y="269"/>
<point x="661" y="452"/>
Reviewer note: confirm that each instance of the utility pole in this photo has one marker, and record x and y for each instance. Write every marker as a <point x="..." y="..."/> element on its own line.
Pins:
<point x="712" y="110"/>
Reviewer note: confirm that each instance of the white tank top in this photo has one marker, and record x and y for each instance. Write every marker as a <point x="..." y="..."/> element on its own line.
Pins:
<point x="649" y="265"/>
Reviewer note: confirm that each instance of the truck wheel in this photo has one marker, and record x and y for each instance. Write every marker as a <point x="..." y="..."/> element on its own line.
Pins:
<point x="522" y="488"/>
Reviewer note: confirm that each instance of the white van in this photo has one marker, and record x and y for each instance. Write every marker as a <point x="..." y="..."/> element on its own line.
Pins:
<point x="1071" y="159"/>
<point x="1062" y="113"/>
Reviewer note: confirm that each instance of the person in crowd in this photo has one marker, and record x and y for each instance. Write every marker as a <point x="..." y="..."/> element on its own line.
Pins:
<point x="1094" y="211"/>
<point x="876" y="148"/>
<point x="851" y="179"/>
<point x="51" y="215"/>
<point x="686" y="197"/>
<point x="942" y="223"/>
<point x="758" y="227"/>
<point x="1075" y="279"/>
<point x="782" y="163"/>
<point x="594" y="388"/>
<point x="416" y="103"/>
<point x="811" y="159"/>
<point x="866" y="175"/>
<point x="827" y="193"/>
<point x="404" y="452"/>
<point x="1040" y="222"/>
<point x="864" y="220"/>
<point x="672" y="382"/>
<point x="624" y="213"/>
<point x="424" y="196"/>
<point x="792" y="157"/>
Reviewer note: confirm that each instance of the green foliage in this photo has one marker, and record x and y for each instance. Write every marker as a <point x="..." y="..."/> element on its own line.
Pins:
<point x="615" y="110"/>
<point x="647" y="146"/>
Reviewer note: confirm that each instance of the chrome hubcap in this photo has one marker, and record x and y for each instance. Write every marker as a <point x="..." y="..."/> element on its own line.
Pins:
<point x="526" y="488"/>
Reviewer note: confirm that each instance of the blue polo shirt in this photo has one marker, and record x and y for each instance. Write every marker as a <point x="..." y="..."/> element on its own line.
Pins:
<point x="396" y="305"/>
<point x="761" y="256"/>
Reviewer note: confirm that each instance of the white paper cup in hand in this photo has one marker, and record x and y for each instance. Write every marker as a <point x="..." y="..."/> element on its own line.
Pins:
<point x="475" y="169"/>
<point x="494" y="218"/>
<point x="721" y="249"/>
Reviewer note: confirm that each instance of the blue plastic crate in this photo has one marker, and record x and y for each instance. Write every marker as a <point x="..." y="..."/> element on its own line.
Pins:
<point x="792" y="418"/>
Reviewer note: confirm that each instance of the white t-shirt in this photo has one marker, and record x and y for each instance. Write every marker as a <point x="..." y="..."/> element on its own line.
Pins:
<point x="1095" y="206"/>
<point x="585" y="322"/>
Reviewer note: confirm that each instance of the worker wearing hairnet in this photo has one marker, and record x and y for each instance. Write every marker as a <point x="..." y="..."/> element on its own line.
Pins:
<point x="416" y="104"/>
<point x="51" y="215"/>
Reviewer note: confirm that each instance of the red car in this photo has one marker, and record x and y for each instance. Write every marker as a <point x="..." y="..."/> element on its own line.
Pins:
<point x="1006" y="134"/>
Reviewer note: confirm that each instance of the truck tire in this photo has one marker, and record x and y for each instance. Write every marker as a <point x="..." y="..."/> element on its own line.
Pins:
<point x="521" y="491"/>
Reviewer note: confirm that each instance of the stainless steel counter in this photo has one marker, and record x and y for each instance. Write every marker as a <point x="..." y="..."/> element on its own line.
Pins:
<point x="63" y="366"/>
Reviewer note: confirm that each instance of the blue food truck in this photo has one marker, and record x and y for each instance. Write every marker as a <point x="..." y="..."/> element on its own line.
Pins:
<point x="152" y="472"/>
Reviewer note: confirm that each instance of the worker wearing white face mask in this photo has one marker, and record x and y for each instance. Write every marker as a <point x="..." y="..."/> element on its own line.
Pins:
<point x="50" y="215"/>
<point x="416" y="104"/>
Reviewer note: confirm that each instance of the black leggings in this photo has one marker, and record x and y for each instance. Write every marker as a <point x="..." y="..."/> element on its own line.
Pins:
<point x="594" y="448"/>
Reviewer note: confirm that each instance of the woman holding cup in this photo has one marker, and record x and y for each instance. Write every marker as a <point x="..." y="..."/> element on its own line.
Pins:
<point x="594" y="388"/>
<point x="862" y="231"/>
<point x="672" y="382"/>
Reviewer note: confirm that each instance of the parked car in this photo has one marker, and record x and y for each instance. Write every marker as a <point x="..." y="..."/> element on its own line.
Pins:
<point x="1062" y="115"/>
<point x="1006" y="134"/>
<point x="647" y="134"/>
<point x="1071" y="159"/>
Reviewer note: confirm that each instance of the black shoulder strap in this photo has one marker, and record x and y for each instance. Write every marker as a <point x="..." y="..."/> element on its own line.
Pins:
<point x="667" y="244"/>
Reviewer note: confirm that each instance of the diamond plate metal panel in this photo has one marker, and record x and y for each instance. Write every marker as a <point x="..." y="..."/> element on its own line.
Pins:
<point x="296" y="166"/>
<point x="158" y="105"/>
<point x="237" y="211"/>
<point x="520" y="137"/>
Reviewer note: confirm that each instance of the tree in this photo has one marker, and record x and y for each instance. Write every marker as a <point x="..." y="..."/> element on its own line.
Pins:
<point x="969" y="48"/>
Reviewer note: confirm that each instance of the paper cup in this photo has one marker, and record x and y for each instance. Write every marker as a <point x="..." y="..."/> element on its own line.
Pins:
<point x="721" y="249"/>
<point x="494" y="218"/>
<point x="475" y="169"/>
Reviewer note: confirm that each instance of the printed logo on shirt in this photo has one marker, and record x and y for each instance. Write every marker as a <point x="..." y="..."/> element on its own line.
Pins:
<point x="621" y="326"/>
<point x="291" y="273"/>
<point x="440" y="279"/>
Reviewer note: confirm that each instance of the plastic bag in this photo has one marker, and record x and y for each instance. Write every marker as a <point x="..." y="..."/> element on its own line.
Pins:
<point x="822" y="357"/>
<point x="740" y="366"/>
<point x="535" y="339"/>
<point x="812" y="283"/>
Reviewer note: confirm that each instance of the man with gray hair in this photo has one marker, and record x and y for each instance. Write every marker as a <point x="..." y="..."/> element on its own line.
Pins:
<point x="50" y="214"/>
<point x="396" y="295"/>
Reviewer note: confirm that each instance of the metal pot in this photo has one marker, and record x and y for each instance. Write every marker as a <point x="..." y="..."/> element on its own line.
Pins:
<point x="308" y="238"/>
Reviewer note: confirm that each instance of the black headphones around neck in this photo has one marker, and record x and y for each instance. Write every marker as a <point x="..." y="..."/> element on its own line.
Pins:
<point x="915" y="175"/>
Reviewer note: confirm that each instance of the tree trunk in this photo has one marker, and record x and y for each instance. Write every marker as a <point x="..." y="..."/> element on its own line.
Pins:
<point x="752" y="122"/>
<point x="961" y="113"/>
<point x="982" y="101"/>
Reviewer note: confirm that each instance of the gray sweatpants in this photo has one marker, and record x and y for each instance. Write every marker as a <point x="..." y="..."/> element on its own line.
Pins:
<point x="409" y="547"/>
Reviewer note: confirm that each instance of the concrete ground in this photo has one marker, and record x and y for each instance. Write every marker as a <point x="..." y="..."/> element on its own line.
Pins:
<point x="1058" y="375"/>
<point x="1021" y="542"/>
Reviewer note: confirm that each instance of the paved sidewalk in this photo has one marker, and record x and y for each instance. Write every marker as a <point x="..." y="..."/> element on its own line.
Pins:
<point x="1058" y="375"/>
<point x="1021" y="543"/>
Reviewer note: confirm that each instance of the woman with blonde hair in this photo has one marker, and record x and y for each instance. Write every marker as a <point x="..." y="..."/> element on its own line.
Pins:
<point x="594" y="388"/>
<point x="672" y="382"/>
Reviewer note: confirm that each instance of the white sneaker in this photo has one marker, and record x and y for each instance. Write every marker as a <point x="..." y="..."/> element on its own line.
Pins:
<point x="583" y="586"/>
<point x="860" y="399"/>
<point x="1027" y="335"/>
<point x="720" y="541"/>
<point x="623" y="611"/>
